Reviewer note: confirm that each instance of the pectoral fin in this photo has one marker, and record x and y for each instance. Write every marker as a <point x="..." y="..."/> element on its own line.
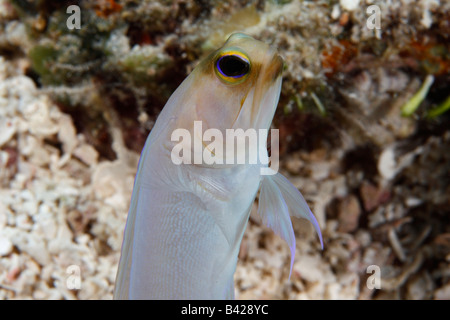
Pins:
<point x="296" y="203"/>
<point x="278" y="198"/>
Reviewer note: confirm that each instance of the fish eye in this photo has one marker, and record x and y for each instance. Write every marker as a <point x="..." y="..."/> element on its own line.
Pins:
<point x="232" y="67"/>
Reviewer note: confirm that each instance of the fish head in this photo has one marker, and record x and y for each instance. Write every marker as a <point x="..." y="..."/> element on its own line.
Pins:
<point x="241" y="84"/>
<point x="235" y="87"/>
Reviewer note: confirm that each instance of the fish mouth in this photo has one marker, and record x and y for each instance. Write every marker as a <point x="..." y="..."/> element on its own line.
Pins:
<point x="273" y="71"/>
<point x="275" y="67"/>
<point x="268" y="92"/>
<point x="258" y="106"/>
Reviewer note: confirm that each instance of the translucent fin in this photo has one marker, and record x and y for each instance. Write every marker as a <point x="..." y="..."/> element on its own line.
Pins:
<point x="275" y="214"/>
<point x="296" y="203"/>
<point x="278" y="197"/>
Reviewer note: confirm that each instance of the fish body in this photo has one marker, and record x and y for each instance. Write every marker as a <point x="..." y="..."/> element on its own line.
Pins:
<point x="186" y="221"/>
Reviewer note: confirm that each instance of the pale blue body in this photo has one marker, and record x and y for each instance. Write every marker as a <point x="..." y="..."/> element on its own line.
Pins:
<point x="186" y="222"/>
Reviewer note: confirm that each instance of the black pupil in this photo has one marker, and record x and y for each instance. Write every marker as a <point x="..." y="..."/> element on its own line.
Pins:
<point x="233" y="66"/>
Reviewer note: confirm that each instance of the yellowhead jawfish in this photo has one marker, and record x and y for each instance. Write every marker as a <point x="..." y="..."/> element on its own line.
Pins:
<point x="186" y="219"/>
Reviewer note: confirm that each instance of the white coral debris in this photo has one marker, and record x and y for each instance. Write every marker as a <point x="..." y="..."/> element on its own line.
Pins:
<point x="38" y="240"/>
<point x="349" y="5"/>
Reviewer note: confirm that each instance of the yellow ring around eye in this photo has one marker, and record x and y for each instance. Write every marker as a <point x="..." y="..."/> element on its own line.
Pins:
<point x="232" y="66"/>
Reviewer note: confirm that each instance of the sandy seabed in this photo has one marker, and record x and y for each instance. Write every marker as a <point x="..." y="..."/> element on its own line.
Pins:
<point x="383" y="209"/>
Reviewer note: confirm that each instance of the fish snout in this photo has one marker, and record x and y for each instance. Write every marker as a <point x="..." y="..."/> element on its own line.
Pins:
<point x="275" y="65"/>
